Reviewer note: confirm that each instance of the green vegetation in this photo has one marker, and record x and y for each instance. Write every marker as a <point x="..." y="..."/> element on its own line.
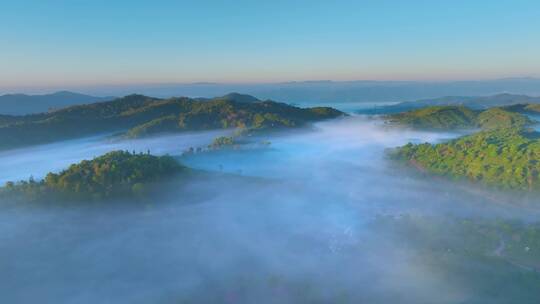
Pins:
<point x="115" y="174"/>
<point x="438" y="117"/>
<point x="141" y="116"/>
<point x="239" y="140"/>
<point x="504" y="155"/>
<point x="222" y="142"/>
<point x="504" y="158"/>
<point x="499" y="118"/>
<point x="458" y="117"/>
<point x="226" y="113"/>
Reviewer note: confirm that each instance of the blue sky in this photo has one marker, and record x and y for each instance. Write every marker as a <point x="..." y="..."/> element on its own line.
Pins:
<point x="72" y="43"/>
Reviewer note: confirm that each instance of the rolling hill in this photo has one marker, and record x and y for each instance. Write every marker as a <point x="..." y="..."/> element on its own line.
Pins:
<point x="458" y="117"/>
<point x="503" y="158"/>
<point x="140" y="115"/>
<point x="115" y="174"/>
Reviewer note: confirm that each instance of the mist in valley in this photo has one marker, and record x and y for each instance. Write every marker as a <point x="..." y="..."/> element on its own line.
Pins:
<point x="290" y="222"/>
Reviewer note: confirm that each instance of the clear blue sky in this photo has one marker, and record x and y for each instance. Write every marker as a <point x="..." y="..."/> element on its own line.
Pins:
<point x="65" y="43"/>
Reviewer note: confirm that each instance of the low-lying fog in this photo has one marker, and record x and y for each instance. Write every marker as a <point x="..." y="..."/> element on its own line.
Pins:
<point x="296" y="233"/>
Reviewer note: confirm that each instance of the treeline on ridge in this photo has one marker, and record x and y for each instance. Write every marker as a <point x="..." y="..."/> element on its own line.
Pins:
<point x="460" y="117"/>
<point x="139" y="115"/>
<point x="113" y="175"/>
<point x="505" y="154"/>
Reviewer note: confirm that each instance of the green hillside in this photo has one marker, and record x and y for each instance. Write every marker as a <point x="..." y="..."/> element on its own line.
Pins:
<point x="227" y="113"/>
<point x="499" y="118"/>
<point x="458" y="117"/>
<point x="437" y="117"/>
<point x="503" y="158"/>
<point x="141" y="115"/>
<point x="115" y="174"/>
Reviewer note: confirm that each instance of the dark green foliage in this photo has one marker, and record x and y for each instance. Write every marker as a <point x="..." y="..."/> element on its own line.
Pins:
<point x="143" y="116"/>
<point x="458" y="117"/>
<point x="224" y="113"/>
<point x="114" y="174"/>
<point x="438" y="117"/>
<point x="158" y="125"/>
<point x="499" y="118"/>
<point x="504" y="155"/>
<point x="222" y="142"/>
<point x="504" y="158"/>
<point x="75" y="121"/>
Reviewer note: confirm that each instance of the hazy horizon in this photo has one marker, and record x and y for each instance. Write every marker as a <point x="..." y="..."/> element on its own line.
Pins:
<point x="325" y="92"/>
<point x="80" y="43"/>
<point x="88" y="89"/>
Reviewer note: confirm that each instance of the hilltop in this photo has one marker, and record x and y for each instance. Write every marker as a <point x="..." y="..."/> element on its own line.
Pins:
<point x="503" y="154"/>
<point x="503" y="158"/>
<point x="115" y="174"/>
<point x="458" y="117"/>
<point x="139" y="115"/>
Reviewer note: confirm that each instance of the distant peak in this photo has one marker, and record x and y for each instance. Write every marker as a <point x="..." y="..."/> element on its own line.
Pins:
<point x="239" y="97"/>
<point x="65" y="93"/>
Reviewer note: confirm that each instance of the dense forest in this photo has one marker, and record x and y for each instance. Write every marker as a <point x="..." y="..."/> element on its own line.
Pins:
<point x="115" y="174"/>
<point x="504" y="158"/>
<point x="139" y="115"/>
<point x="437" y="117"/>
<point x="459" y="117"/>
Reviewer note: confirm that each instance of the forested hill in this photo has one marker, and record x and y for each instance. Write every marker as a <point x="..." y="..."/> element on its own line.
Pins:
<point x="117" y="174"/>
<point x="505" y="154"/>
<point x="504" y="158"/>
<point x="143" y="115"/>
<point x="459" y="117"/>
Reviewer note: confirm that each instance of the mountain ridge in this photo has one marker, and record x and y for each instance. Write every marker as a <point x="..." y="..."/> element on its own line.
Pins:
<point x="24" y="104"/>
<point x="141" y="115"/>
<point x="473" y="102"/>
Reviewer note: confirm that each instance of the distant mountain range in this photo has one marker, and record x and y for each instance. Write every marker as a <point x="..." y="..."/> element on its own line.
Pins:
<point x="305" y="92"/>
<point x="301" y="93"/>
<point x="477" y="103"/>
<point x="22" y="104"/>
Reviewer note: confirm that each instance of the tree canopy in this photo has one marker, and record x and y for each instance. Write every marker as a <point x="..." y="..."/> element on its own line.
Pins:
<point x="504" y="158"/>
<point x="459" y="117"/>
<point x="141" y="116"/>
<point x="115" y="174"/>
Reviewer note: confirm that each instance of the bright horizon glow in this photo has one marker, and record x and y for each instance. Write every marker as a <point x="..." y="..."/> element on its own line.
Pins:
<point x="85" y="43"/>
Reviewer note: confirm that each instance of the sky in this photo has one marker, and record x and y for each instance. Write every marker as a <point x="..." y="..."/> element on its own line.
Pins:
<point x="79" y="42"/>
